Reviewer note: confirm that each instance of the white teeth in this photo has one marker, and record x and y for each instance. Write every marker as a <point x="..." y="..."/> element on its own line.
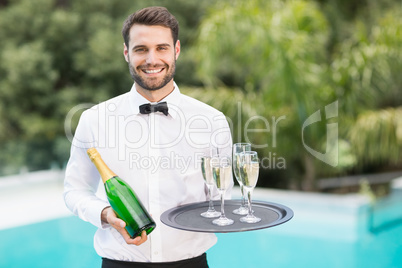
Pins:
<point x="152" y="71"/>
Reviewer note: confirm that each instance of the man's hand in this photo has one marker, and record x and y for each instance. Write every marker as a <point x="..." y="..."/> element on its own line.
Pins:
<point x="108" y="216"/>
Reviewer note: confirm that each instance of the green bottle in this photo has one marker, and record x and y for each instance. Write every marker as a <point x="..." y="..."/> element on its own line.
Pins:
<point x="123" y="199"/>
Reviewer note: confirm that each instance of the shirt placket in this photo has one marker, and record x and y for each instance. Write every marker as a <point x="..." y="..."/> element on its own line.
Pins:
<point x="154" y="191"/>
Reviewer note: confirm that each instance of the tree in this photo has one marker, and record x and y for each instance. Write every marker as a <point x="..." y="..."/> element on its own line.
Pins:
<point x="55" y="55"/>
<point x="367" y="75"/>
<point x="274" y="51"/>
<point x="290" y="58"/>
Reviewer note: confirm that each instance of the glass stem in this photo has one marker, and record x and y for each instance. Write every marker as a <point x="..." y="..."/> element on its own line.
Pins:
<point x="243" y="197"/>
<point x="250" y="211"/>
<point x="222" y="206"/>
<point x="211" y="203"/>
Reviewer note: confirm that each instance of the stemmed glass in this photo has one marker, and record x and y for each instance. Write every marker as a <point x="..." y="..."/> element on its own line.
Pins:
<point x="249" y="169"/>
<point x="237" y="149"/>
<point x="206" y="169"/>
<point x="222" y="173"/>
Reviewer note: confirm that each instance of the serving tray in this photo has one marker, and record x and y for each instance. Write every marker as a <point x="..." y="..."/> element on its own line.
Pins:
<point x="187" y="217"/>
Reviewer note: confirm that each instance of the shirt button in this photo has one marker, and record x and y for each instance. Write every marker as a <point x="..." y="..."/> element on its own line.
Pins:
<point x="156" y="252"/>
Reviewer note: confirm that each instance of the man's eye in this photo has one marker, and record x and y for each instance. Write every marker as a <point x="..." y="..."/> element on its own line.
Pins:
<point x="138" y="50"/>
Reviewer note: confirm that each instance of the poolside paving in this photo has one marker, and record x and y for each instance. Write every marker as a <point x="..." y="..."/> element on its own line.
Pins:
<point x="31" y="197"/>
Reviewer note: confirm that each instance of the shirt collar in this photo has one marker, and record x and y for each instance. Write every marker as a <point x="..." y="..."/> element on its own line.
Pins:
<point x="173" y="100"/>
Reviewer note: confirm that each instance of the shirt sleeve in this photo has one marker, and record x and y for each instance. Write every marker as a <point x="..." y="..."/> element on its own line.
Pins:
<point x="82" y="178"/>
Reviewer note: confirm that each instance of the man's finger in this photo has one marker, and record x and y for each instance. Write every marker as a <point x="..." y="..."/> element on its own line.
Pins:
<point x="137" y="240"/>
<point x="140" y="239"/>
<point x="144" y="235"/>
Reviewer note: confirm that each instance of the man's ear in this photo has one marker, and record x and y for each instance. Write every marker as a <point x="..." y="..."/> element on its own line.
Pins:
<point x="125" y="52"/>
<point x="177" y="48"/>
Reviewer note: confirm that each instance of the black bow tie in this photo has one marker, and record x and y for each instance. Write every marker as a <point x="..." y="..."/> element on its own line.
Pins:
<point x="151" y="108"/>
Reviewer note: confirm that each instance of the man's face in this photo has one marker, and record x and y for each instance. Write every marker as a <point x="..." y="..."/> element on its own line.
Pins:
<point x="151" y="56"/>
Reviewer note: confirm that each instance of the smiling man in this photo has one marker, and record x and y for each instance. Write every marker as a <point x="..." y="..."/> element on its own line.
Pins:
<point x="151" y="53"/>
<point x="136" y="133"/>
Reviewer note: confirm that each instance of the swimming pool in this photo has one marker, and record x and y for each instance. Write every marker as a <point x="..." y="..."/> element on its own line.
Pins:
<point x="59" y="243"/>
<point x="329" y="231"/>
<point x="326" y="238"/>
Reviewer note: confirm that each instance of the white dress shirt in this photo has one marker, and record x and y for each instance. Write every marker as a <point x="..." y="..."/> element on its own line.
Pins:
<point x="158" y="156"/>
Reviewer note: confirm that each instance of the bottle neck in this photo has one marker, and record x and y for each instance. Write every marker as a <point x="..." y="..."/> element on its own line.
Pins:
<point x="105" y="172"/>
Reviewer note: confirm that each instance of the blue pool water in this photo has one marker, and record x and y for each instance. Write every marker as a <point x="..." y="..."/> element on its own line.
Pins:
<point x="60" y="243"/>
<point x="67" y="242"/>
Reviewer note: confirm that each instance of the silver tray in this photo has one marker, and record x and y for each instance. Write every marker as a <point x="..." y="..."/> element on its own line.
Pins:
<point x="187" y="217"/>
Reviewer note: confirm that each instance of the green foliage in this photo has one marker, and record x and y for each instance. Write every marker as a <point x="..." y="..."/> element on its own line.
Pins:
<point x="55" y="55"/>
<point x="366" y="72"/>
<point x="275" y="51"/>
<point x="274" y="48"/>
<point x="291" y="58"/>
<point x="366" y="76"/>
<point x="377" y="136"/>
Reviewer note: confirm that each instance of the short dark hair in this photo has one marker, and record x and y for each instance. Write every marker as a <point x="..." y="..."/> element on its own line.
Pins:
<point x="151" y="16"/>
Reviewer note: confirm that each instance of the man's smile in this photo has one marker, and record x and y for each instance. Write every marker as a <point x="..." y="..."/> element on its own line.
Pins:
<point x="153" y="71"/>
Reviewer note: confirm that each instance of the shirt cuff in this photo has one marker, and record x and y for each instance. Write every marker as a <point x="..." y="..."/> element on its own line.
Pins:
<point x="94" y="215"/>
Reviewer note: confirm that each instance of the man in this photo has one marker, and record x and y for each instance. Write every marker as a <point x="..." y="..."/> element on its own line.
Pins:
<point x="154" y="149"/>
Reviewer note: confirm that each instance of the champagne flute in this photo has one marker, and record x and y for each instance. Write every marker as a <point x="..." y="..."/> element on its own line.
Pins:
<point x="249" y="168"/>
<point x="209" y="181"/>
<point x="237" y="149"/>
<point x="222" y="171"/>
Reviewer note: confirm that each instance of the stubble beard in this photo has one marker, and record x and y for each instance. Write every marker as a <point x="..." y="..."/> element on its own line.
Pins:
<point x="152" y="85"/>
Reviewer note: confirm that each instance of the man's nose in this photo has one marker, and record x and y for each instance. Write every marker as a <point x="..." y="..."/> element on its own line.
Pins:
<point x="151" y="57"/>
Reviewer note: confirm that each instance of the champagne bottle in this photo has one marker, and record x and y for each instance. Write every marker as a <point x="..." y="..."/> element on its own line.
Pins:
<point x="123" y="199"/>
